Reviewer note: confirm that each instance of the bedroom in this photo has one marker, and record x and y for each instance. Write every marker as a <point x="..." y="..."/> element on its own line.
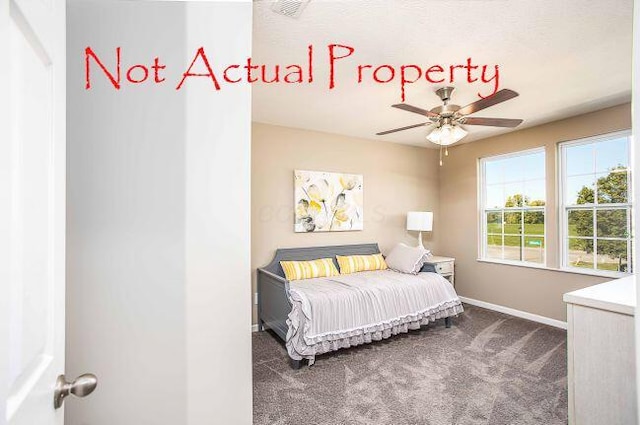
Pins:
<point x="154" y="213"/>
<point x="512" y="277"/>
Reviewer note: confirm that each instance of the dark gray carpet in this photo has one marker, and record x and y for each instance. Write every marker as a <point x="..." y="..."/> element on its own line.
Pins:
<point x="489" y="368"/>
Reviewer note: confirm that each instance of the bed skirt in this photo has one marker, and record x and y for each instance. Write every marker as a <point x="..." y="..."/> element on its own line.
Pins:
<point x="302" y="347"/>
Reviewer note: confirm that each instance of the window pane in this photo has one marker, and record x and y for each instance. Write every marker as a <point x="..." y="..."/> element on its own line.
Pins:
<point x="612" y="223"/>
<point x="495" y="197"/>
<point x="534" y="223"/>
<point x="513" y="248"/>
<point x="579" y="190"/>
<point x="579" y="159"/>
<point x="534" y="192"/>
<point x="612" y="187"/>
<point x="494" y="247"/>
<point x="612" y="255"/>
<point x="493" y="172"/>
<point x="611" y="154"/>
<point x="534" y="166"/>
<point x="513" y="222"/>
<point x="581" y="253"/>
<point x="597" y="172"/>
<point x="510" y="184"/>
<point x="494" y="222"/>
<point x="580" y="222"/>
<point x="514" y="167"/>
<point x="534" y="249"/>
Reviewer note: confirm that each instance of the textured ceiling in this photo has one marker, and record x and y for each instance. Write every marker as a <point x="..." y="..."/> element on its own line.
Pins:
<point x="564" y="58"/>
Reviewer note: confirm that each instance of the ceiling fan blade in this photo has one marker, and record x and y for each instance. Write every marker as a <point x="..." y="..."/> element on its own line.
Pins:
<point x="415" y="110"/>
<point x="499" y="97"/>
<point x="493" y="122"/>
<point x="382" y="133"/>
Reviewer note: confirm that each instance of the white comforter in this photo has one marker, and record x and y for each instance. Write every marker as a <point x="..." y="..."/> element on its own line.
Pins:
<point x="341" y="311"/>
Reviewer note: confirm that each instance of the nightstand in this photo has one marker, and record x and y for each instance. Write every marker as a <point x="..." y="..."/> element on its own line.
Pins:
<point x="444" y="266"/>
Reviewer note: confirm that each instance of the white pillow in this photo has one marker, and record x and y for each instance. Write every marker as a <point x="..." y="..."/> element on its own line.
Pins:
<point x="406" y="259"/>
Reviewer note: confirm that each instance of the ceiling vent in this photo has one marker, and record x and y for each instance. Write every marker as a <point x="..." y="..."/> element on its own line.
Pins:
<point x="290" y="8"/>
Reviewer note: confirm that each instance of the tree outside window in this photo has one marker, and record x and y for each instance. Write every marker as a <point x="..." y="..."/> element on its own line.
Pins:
<point x="596" y="203"/>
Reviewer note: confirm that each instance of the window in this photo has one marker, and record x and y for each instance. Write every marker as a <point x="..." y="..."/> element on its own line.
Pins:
<point x="596" y="203"/>
<point x="513" y="207"/>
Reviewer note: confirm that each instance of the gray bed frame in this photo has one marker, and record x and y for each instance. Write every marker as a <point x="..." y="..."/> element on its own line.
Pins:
<point x="273" y="289"/>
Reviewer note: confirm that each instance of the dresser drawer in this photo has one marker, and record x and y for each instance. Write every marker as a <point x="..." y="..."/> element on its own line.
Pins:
<point x="444" y="268"/>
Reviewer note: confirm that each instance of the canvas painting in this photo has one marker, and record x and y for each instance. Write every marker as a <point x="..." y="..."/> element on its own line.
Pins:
<point x="327" y="202"/>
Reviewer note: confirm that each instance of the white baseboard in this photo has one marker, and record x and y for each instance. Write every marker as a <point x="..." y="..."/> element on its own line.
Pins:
<point x="254" y="328"/>
<point x="517" y="313"/>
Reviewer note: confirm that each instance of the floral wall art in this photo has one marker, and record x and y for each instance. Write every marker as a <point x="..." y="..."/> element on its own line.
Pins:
<point x="327" y="202"/>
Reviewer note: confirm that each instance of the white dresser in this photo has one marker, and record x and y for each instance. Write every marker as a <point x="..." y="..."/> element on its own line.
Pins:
<point x="601" y="354"/>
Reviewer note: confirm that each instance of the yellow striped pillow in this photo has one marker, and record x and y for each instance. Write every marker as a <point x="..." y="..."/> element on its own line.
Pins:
<point x="361" y="263"/>
<point x="295" y="270"/>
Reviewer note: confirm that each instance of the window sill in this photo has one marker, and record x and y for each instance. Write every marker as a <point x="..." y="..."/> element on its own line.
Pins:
<point x="587" y="272"/>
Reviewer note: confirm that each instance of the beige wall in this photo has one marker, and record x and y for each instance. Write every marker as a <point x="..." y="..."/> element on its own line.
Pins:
<point x="532" y="290"/>
<point x="401" y="178"/>
<point x="397" y="179"/>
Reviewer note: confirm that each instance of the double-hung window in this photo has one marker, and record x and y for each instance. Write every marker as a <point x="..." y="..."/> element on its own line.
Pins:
<point x="596" y="203"/>
<point x="512" y="207"/>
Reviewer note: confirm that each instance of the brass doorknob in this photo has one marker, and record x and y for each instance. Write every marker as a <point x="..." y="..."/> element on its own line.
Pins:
<point x="82" y="386"/>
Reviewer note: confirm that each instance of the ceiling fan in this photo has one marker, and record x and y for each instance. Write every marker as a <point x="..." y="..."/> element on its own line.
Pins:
<point x="448" y="118"/>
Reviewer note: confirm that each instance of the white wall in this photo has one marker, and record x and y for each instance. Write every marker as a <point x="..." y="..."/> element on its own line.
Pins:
<point x="158" y="213"/>
<point x="635" y="111"/>
<point x="5" y="213"/>
<point x="218" y="232"/>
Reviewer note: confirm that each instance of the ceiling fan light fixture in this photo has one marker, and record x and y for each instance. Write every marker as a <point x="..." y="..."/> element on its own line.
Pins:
<point x="446" y="134"/>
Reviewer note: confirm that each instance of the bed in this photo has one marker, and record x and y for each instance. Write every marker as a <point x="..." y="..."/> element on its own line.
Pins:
<point x="315" y="316"/>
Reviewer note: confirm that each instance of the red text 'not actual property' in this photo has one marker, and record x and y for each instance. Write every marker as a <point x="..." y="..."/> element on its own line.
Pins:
<point x="338" y="59"/>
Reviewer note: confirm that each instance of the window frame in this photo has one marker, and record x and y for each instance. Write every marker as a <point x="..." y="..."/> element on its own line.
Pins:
<point x="482" y="212"/>
<point x="564" y="208"/>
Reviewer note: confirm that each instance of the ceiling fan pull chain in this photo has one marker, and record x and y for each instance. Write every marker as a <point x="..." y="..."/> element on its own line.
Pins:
<point x="446" y="151"/>
<point x="441" y="155"/>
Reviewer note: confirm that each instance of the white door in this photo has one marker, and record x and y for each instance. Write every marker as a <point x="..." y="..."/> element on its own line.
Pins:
<point x="32" y="209"/>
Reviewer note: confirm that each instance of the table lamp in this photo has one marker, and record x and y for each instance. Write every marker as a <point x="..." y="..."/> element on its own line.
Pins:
<point x="420" y="221"/>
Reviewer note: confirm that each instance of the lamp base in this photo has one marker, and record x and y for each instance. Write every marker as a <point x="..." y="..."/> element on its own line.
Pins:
<point x="420" y="245"/>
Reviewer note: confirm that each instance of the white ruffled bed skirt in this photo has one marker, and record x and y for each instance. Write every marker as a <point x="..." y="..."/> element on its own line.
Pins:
<point x="301" y="347"/>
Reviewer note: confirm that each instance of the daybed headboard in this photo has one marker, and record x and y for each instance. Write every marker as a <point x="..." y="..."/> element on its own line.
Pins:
<point x="315" y="252"/>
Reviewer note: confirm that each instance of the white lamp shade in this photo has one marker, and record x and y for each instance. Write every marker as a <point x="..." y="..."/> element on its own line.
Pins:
<point x="446" y="135"/>
<point x="421" y="221"/>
